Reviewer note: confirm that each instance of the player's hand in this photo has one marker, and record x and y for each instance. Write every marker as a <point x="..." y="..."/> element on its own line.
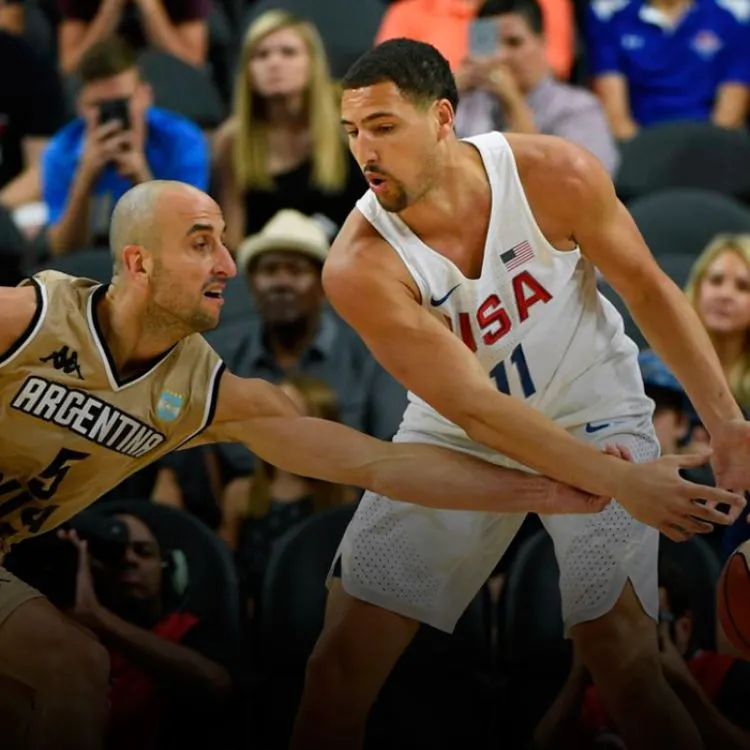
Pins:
<point x="655" y="494"/>
<point x="570" y="500"/>
<point x="731" y="455"/>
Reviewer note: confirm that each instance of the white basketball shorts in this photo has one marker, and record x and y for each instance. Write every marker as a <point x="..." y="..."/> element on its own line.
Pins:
<point x="429" y="564"/>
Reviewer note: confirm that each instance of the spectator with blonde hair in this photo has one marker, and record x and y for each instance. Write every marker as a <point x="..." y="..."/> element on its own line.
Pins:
<point x="283" y="146"/>
<point x="719" y="289"/>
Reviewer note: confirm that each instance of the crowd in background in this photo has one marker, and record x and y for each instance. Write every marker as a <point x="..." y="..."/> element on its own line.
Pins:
<point x="240" y="98"/>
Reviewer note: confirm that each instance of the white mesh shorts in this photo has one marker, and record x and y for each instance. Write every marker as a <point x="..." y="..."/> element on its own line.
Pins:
<point x="429" y="564"/>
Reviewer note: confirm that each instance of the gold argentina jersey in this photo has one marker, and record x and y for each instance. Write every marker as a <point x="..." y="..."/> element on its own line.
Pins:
<point x="70" y="429"/>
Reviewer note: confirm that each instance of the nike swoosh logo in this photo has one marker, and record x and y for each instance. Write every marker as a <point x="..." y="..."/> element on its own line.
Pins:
<point x="437" y="302"/>
<point x="596" y="427"/>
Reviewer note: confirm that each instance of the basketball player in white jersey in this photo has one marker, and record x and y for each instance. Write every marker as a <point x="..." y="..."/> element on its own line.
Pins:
<point x="469" y="271"/>
<point x="97" y="381"/>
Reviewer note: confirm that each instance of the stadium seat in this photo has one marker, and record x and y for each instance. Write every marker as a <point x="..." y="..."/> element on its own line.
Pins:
<point x="631" y="327"/>
<point x="535" y="654"/>
<point x="183" y="88"/>
<point x="434" y="697"/>
<point x="684" y="221"/>
<point x="686" y="155"/>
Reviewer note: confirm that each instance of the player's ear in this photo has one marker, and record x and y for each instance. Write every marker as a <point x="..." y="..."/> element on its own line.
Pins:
<point x="445" y="118"/>
<point x="136" y="263"/>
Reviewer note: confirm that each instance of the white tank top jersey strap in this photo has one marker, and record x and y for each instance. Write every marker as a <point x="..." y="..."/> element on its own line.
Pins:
<point x="534" y="318"/>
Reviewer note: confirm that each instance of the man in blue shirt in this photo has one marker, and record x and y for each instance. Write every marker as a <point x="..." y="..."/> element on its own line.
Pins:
<point x="663" y="60"/>
<point x="118" y="140"/>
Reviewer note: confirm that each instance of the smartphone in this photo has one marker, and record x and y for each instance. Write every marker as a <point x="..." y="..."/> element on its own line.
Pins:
<point x="115" y="109"/>
<point x="484" y="37"/>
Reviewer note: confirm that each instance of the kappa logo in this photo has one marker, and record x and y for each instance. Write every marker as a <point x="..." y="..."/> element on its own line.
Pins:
<point x="169" y="406"/>
<point x="64" y="359"/>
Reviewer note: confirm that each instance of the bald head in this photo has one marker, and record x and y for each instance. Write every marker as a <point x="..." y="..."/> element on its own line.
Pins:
<point x="136" y="219"/>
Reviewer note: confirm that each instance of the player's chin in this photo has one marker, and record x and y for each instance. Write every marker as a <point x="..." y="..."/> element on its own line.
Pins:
<point x="393" y="202"/>
<point x="205" y="320"/>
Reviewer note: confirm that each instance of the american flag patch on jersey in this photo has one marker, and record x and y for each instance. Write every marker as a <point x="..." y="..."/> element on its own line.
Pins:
<point x="517" y="255"/>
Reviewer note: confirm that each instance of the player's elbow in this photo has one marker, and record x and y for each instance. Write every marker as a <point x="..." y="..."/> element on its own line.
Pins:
<point x="263" y="399"/>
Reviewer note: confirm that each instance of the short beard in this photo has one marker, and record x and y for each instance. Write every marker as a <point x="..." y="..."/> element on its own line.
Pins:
<point x="162" y="322"/>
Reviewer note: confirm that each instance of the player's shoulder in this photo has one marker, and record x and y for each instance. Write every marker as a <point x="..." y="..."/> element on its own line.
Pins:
<point x="362" y="265"/>
<point x="20" y="308"/>
<point x="550" y="167"/>
<point x="358" y="249"/>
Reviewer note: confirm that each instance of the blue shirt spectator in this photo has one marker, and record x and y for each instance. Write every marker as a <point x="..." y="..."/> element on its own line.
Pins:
<point x="652" y="64"/>
<point x="118" y="140"/>
<point x="175" y="149"/>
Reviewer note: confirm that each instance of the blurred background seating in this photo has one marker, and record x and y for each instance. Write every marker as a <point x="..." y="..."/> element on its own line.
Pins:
<point x="674" y="140"/>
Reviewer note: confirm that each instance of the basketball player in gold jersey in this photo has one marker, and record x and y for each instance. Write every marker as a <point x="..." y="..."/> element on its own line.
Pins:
<point x="97" y="381"/>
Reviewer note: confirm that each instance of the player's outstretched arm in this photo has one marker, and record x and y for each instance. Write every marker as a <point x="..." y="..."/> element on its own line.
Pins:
<point x="370" y="288"/>
<point x="609" y="237"/>
<point x="262" y="417"/>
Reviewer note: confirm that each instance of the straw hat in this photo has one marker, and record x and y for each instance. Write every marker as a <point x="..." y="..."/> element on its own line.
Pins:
<point x="288" y="231"/>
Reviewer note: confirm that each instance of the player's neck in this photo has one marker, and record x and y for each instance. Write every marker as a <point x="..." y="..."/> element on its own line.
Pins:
<point x="132" y="337"/>
<point x="454" y="199"/>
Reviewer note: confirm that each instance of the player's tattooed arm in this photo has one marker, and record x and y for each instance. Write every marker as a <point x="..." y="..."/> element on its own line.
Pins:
<point x="262" y="417"/>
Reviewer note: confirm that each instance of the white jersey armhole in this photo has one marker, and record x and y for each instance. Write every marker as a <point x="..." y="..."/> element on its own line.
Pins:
<point x="364" y="207"/>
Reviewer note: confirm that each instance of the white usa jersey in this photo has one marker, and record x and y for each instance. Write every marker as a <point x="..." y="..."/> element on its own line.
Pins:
<point x="534" y="318"/>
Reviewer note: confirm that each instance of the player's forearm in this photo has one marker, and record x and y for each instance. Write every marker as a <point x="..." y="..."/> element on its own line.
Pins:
<point x="521" y="433"/>
<point x="674" y="330"/>
<point x="424" y="475"/>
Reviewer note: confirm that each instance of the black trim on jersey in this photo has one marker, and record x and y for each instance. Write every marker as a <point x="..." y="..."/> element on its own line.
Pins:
<point x="97" y="294"/>
<point x="30" y="328"/>
<point x="214" y="396"/>
<point x="213" y="401"/>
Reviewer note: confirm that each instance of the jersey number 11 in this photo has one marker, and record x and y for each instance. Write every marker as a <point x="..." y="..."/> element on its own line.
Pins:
<point x="499" y="373"/>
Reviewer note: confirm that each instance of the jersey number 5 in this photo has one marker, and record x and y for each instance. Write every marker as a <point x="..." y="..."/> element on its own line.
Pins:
<point x="500" y="374"/>
<point x="42" y="487"/>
